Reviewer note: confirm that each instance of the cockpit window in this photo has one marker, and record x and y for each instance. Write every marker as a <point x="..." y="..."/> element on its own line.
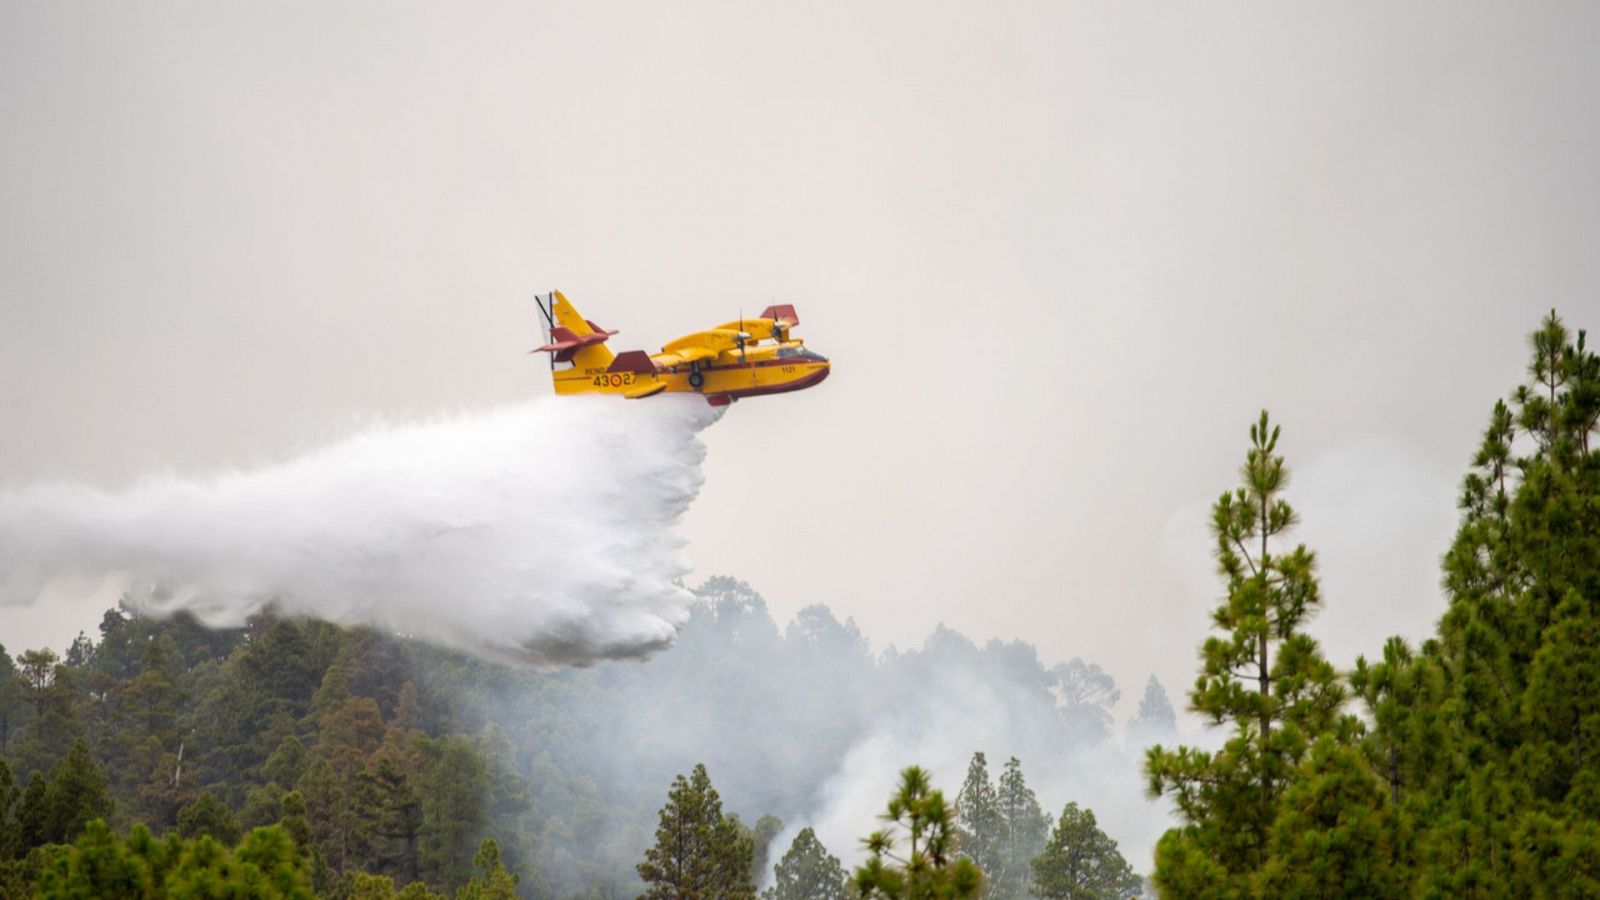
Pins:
<point x="800" y="353"/>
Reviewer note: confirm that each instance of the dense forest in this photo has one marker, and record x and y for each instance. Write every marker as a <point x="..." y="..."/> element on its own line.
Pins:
<point x="388" y="758"/>
<point x="296" y="758"/>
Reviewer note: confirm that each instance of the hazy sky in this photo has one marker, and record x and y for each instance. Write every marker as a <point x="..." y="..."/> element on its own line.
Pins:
<point x="1061" y="255"/>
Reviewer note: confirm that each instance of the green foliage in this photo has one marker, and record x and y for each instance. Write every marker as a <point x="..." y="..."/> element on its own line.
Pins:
<point x="699" y="852"/>
<point x="207" y="816"/>
<point x="454" y="781"/>
<point x="10" y="829"/>
<point x="101" y="866"/>
<point x="1263" y="676"/>
<point x="403" y="757"/>
<point x="1081" y="863"/>
<point x="761" y="836"/>
<point x="1334" y="831"/>
<point x="926" y="867"/>
<point x="1475" y="773"/>
<point x="77" y="793"/>
<point x="363" y="886"/>
<point x="1402" y="695"/>
<point x="265" y="866"/>
<point x="1487" y="737"/>
<point x="980" y="825"/>
<point x="12" y="688"/>
<point x="1000" y="830"/>
<point x="32" y="815"/>
<point x="1026" y="828"/>
<point x="492" y="882"/>
<point x="808" y="872"/>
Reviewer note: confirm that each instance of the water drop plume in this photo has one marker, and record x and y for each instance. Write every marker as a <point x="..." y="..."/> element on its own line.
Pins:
<point x="540" y="532"/>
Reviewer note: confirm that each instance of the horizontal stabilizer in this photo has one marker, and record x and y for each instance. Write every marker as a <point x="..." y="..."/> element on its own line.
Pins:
<point x="635" y="361"/>
<point x="565" y="345"/>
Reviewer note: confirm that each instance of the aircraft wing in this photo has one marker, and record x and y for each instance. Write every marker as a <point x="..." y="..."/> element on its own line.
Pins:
<point x="698" y="347"/>
<point x="683" y="356"/>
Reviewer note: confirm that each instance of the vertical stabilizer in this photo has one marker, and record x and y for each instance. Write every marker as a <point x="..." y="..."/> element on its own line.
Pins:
<point x="591" y="354"/>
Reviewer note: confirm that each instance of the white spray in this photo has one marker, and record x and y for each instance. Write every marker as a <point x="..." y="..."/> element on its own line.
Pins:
<point x="541" y="532"/>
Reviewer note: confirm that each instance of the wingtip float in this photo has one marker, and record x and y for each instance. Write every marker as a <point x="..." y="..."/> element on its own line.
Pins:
<point x="742" y="358"/>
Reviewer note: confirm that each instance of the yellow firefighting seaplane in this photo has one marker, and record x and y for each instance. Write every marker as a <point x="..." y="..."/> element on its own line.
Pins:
<point x="723" y="363"/>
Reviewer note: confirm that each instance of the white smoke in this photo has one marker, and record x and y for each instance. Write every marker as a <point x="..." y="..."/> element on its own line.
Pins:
<point x="1103" y="776"/>
<point x="540" y="533"/>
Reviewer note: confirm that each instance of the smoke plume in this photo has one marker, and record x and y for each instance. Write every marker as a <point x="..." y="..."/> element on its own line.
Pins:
<point x="540" y="533"/>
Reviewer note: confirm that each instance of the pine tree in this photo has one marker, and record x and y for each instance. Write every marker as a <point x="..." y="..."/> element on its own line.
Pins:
<point x="454" y="786"/>
<point x="397" y="819"/>
<point x="152" y="699"/>
<point x="10" y="829"/>
<point x="99" y="866"/>
<point x="979" y="822"/>
<point x="207" y="815"/>
<point x="1402" y="694"/>
<point x="1026" y="827"/>
<point x="33" y="815"/>
<point x="699" y="853"/>
<point x="1263" y="675"/>
<point x="928" y="866"/>
<point x="1509" y="803"/>
<point x="1332" y="837"/>
<point x="265" y="865"/>
<point x="1080" y="862"/>
<point x="77" y="794"/>
<point x="11" y="691"/>
<point x="761" y="837"/>
<point x="80" y="654"/>
<point x="493" y="881"/>
<point x="330" y="817"/>
<point x="38" y="668"/>
<point x="808" y="872"/>
<point x="287" y="764"/>
<point x="56" y="722"/>
<point x="295" y="826"/>
<point x="1155" y="721"/>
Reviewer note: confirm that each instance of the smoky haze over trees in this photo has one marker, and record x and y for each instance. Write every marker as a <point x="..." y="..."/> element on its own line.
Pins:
<point x="396" y="759"/>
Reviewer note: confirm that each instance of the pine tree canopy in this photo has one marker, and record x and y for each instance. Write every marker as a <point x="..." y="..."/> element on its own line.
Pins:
<point x="913" y="857"/>
<point x="1262" y="676"/>
<point x="808" y="872"/>
<point x="1081" y="863"/>
<point x="699" y="853"/>
<point x="1472" y="771"/>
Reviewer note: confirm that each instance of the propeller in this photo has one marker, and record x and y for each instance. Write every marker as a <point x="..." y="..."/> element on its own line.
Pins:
<point x="742" y="336"/>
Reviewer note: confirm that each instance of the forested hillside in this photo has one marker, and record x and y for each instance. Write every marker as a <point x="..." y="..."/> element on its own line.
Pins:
<point x="399" y="758"/>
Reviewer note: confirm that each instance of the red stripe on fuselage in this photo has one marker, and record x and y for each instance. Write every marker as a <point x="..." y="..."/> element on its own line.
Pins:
<point x="800" y="383"/>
